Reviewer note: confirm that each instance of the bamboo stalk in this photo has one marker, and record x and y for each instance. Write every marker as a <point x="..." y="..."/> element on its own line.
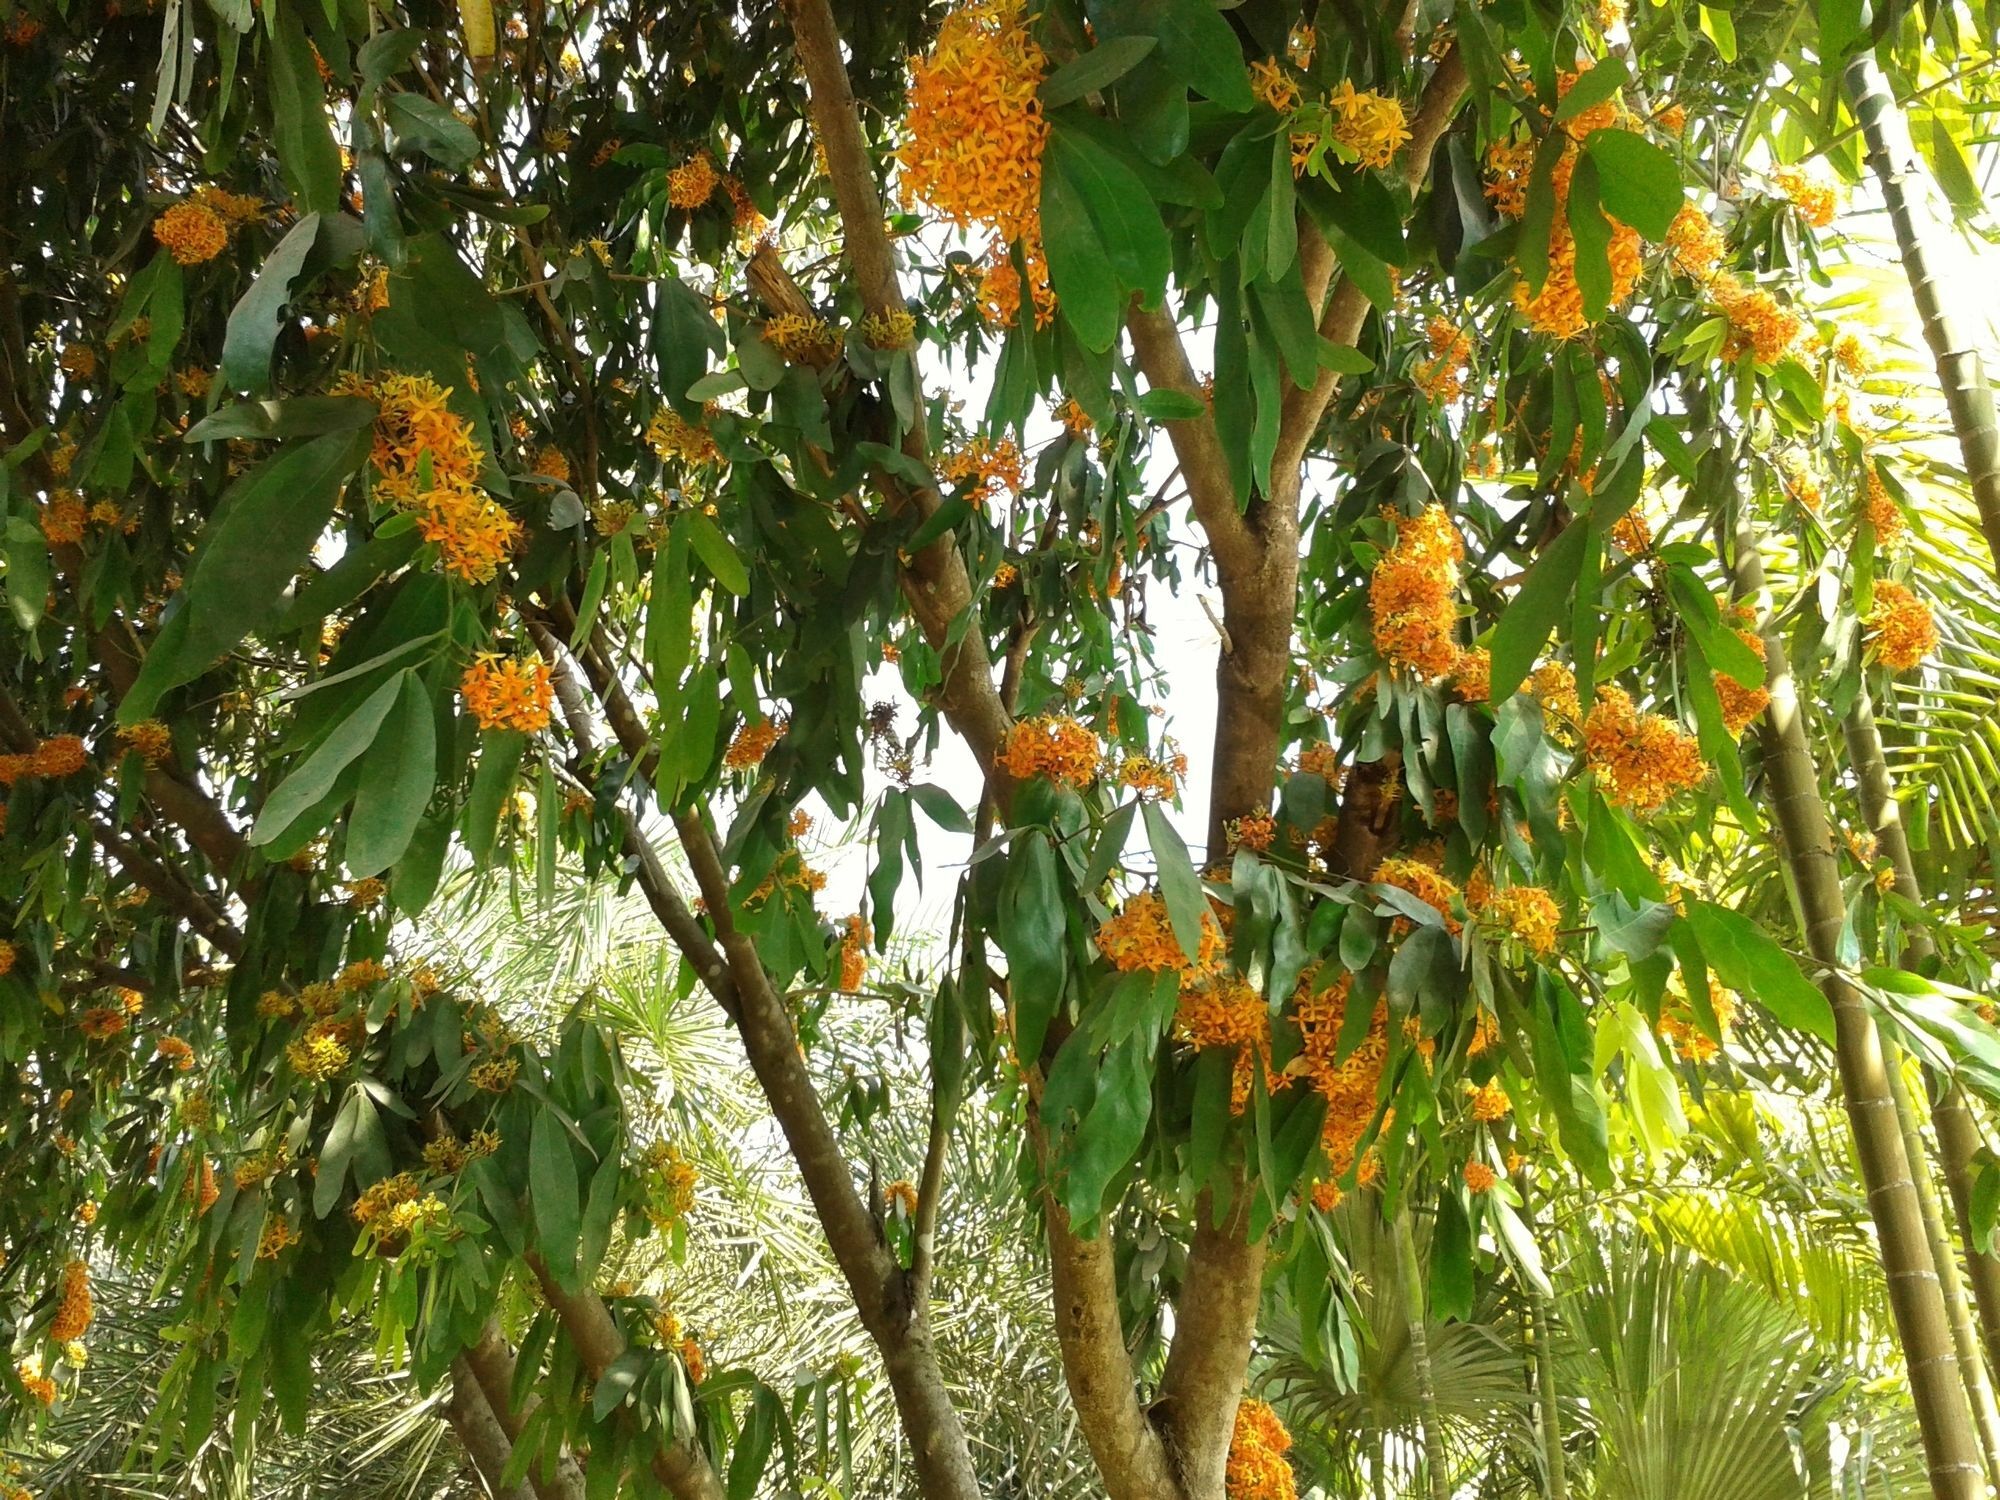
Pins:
<point x="1429" y="1424"/>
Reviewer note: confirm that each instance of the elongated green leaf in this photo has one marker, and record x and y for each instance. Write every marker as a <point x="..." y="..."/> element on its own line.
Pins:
<point x="314" y="778"/>
<point x="716" y="551"/>
<point x="396" y="782"/>
<point x="1197" y="44"/>
<point x="1179" y="885"/>
<point x="1111" y="1132"/>
<point x="1100" y="67"/>
<point x="1537" y="608"/>
<point x="1107" y="240"/>
<point x="259" y="314"/>
<point x="1031" y="933"/>
<point x="1638" y="183"/>
<point x="1746" y="959"/>
<point x="298" y="416"/>
<point x="553" y="1196"/>
<point x="28" y="572"/>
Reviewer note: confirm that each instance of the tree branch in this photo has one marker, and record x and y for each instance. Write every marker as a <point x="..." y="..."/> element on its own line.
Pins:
<point x="470" y="1416"/>
<point x="490" y="1363"/>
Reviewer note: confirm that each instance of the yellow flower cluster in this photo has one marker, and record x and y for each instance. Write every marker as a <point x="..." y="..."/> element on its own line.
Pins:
<point x="1488" y="1100"/>
<point x="1472" y="676"/>
<point x="1055" y="746"/>
<point x="670" y="1183"/>
<point x="1631" y="534"/>
<point x="64" y="518"/>
<point x="1368" y="124"/>
<point x="1642" y="759"/>
<point x="1758" y="322"/>
<point x="1271" y="85"/>
<point x="974" y="127"/>
<point x="255" y="1171"/>
<point x="1442" y="376"/>
<point x="508" y="694"/>
<point x="192" y="233"/>
<point x="1000" y="286"/>
<point x="1413" y="595"/>
<point x="1526" y="913"/>
<point x="751" y="744"/>
<point x="495" y="1075"/>
<point x="430" y="465"/>
<point x="892" y="330"/>
<point x="449" y="1155"/>
<point x="1141" y="938"/>
<point x="1153" y="779"/>
<point x="149" y="739"/>
<point x="995" y="463"/>
<point x="1225" y="1010"/>
<point x="1880" y="510"/>
<point x="1812" y="194"/>
<point x="40" y="1387"/>
<point x="1694" y="244"/>
<point x="672" y="436"/>
<point x="801" y="337"/>
<point x="1557" y="309"/>
<point x="277" y="1238"/>
<point x="1901" y="629"/>
<point x="1256" y="1467"/>
<point x="693" y="182"/>
<point x="1741" y="705"/>
<point x="854" y="954"/>
<point x="73" y="1305"/>
<point x="318" y="1055"/>
<point x="1678" y="1027"/>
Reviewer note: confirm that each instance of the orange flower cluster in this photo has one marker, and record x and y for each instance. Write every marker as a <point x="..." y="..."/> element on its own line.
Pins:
<point x="430" y="465"/>
<point x="692" y="1361"/>
<point x="854" y="954"/>
<point x="1076" y="421"/>
<point x="1225" y="1010"/>
<point x="176" y="1052"/>
<point x="1428" y="885"/>
<point x="1348" y="1086"/>
<point x="1758" y="322"/>
<point x="671" y="1180"/>
<point x="1811" y="193"/>
<point x="1413" y="595"/>
<point x="693" y="182"/>
<point x="974" y="126"/>
<point x="1479" y="1177"/>
<point x="1489" y="1101"/>
<point x="1000" y="286"/>
<point x="994" y="463"/>
<point x="672" y="436"/>
<point x="64" y="518"/>
<point x="1881" y="511"/>
<point x="54" y="758"/>
<point x="1270" y="84"/>
<point x="901" y="1197"/>
<point x="744" y="214"/>
<point x="73" y="1307"/>
<point x="508" y="694"/>
<point x="1252" y="831"/>
<point x="1055" y="746"/>
<point x="192" y="233"/>
<point x="1442" y="376"/>
<point x="101" y="1022"/>
<point x="1694" y="244"/>
<point x="1153" y="779"/>
<point x="1741" y="705"/>
<point x="1509" y="169"/>
<point x="1472" y="675"/>
<point x="751" y="744"/>
<point x="1557" y="309"/>
<point x="1256" y="1468"/>
<point x="1689" y="1041"/>
<point x="1641" y="758"/>
<point x="1141" y="938"/>
<point x="1901" y="629"/>
<point x="40" y="1387"/>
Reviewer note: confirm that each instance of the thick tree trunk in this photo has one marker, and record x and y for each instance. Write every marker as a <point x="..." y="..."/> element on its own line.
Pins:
<point x="480" y="1434"/>
<point x="1954" y="348"/>
<point x="491" y="1363"/>
<point x="1884" y="818"/>
<point x="1951" y="1448"/>
<point x="1430" y="1427"/>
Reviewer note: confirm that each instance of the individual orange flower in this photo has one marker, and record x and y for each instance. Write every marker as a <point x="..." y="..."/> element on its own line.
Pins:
<point x="511" y="693"/>
<point x="1642" y="759"/>
<point x="1413" y="595"/>
<point x="672" y="436"/>
<point x="1055" y="746"/>
<point x="1901" y="629"/>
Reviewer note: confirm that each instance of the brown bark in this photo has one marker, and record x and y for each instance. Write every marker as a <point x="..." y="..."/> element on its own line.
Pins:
<point x="1950" y="1449"/>
<point x="471" y="1419"/>
<point x="1954" y="344"/>
<point x="491" y="1363"/>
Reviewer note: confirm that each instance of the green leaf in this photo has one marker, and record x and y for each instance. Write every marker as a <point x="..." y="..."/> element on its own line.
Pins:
<point x="1537" y="608"/>
<point x="1103" y="235"/>
<point x="1112" y="1131"/>
<point x="1749" y="962"/>
<point x="28" y="571"/>
<point x="614" y="1386"/>
<point x="432" y="128"/>
<point x="1638" y="183"/>
<point x="259" y="314"/>
<point x="1343" y="360"/>
<point x="300" y="416"/>
<point x="1162" y="405"/>
<point x="1179" y="885"/>
<point x="1839" y="28"/>
<point x="1451" y="1260"/>
<point x="553" y="1195"/>
<point x="1591" y="232"/>
<point x="1030" y="928"/>
<point x="1360" y="206"/>
<point x="396" y="782"/>
<point x="1593" y="86"/>
<point x="1096" y="69"/>
<point x="499" y="758"/>
<point x="942" y="808"/>
<point x="314" y="777"/>
<point x="299" y="126"/>
<point x="715" y="550"/>
<point x="1720" y="29"/>
<point x="1197" y="44"/>
<point x="1985" y="1206"/>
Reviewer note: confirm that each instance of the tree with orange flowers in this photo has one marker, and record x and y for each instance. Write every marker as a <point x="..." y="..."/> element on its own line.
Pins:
<point x="528" y="448"/>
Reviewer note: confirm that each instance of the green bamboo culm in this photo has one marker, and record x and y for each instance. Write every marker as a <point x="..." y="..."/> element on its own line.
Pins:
<point x="1428" y="1421"/>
